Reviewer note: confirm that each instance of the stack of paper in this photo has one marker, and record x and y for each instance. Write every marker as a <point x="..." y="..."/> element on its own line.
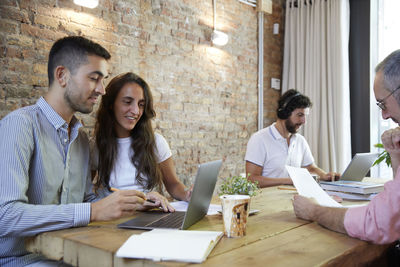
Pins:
<point x="213" y="209"/>
<point x="308" y="187"/>
<point x="351" y="196"/>
<point x="170" y="245"/>
<point x="352" y="187"/>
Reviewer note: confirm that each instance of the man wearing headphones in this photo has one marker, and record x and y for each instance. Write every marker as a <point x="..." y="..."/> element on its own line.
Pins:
<point x="270" y="149"/>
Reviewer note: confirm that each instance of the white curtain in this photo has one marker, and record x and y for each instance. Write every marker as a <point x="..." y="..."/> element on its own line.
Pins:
<point x="316" y="64"/>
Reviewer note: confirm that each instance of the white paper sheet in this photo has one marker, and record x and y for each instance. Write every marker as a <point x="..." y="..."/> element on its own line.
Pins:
<point x="308" y="187"/>
<point x="183" y="205"/>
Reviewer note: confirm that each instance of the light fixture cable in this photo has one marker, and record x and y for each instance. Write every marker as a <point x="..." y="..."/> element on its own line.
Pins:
<point x="215" y="15"/>
<point x="218" y="38"/>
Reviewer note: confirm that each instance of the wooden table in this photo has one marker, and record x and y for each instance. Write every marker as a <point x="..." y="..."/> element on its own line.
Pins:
<point x="275" y="237"/>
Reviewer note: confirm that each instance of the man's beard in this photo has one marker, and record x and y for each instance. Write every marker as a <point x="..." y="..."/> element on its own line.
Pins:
<point x="291" y="127"/>
<point x="73" y="101"/>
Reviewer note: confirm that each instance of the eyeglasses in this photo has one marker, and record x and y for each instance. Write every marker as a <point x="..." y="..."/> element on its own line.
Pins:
<point x="381" y="103"/>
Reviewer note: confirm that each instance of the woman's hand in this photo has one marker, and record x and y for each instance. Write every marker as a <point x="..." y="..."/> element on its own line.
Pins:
<point x="188" y="194"/>
<point x="155" y="200"/>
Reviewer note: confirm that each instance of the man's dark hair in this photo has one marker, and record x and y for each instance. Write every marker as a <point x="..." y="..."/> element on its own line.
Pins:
<point x="289" y="101"/>
<point x="71" y="52"/>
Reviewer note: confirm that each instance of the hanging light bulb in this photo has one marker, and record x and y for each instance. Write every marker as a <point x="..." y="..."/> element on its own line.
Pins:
<point x="87" y="3"/>
<point x="217" y="37"/>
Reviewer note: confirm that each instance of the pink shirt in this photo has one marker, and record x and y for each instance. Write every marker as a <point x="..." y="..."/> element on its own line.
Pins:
<point x="379" y="221"/>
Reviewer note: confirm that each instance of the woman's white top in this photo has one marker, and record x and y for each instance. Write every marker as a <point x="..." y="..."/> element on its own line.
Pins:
<point x="123" y="175"/>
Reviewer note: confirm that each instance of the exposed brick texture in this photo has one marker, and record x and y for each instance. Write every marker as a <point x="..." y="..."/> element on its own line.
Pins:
<point x="205" y="96"/>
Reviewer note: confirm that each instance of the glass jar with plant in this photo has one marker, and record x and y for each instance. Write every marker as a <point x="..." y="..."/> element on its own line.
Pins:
<point x="235" y="193"/>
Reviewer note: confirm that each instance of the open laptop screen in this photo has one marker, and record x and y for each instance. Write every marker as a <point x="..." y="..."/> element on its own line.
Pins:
<point x="359" y="166"/>
<point x="203" y="189"/>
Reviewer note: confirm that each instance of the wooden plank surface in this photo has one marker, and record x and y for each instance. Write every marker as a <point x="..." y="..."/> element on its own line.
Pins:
<point x="275" y="237"/>
<point x="308" y="245"/>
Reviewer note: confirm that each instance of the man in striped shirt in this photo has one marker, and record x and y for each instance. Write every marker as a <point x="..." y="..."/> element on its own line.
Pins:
<point x="44" y="166"/>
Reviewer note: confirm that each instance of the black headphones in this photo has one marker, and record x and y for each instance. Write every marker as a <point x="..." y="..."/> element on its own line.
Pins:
<point x="283" y="112"/>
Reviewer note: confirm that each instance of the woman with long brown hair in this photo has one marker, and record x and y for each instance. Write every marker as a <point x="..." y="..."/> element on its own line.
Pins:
<point x="126" y="153"/>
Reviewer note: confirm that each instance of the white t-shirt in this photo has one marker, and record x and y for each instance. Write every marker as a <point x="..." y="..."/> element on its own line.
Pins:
<point x="123" y="175"/>
<point x="269" y="149"/>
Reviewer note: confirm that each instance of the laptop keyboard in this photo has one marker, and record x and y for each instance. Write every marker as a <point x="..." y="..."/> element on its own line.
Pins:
<point x="172" y="220"/>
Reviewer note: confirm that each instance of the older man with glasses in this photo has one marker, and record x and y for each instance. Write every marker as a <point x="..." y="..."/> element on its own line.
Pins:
<point x="381" y="103"/>
<point x="379" y="221"/>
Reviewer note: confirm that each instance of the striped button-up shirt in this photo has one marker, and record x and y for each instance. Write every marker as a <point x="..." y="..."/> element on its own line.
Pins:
<point x="43" y="175"/>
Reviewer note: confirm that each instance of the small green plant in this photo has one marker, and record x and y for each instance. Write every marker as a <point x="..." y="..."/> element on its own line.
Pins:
<point x="383" y="156"/>
<point x="238" y="185"/>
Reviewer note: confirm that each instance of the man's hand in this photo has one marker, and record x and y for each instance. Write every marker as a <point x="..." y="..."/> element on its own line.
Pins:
<point x="330" y="176"/>
<point x="155" y="200"/>
<point x="304" y="207"/>
<point x="119" y="204"/>
<point x="308" y="209"/>
<point x="391" y="141"/>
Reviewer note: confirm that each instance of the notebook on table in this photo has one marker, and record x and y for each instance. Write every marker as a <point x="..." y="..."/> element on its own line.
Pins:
<point x="203" y="189"/>
<point x="352" y="176"/>
<point x="170" y="245"/>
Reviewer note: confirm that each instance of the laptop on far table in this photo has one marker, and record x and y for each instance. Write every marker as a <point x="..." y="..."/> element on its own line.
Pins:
<point x="354" y="173"/>
<point x="359" y="166"/>
<point x="202" y="193"/>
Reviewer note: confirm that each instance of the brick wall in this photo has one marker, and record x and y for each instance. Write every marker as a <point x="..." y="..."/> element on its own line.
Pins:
<point x="206" y="97"/>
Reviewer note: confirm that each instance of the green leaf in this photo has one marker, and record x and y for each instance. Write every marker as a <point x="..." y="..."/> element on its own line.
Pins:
<point x="379" y="145"/>
<point x="378" y="160"/>
<point x="383" y="156"/>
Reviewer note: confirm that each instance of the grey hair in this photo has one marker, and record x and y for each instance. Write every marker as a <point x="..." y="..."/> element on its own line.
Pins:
<point x="390" y="68"/>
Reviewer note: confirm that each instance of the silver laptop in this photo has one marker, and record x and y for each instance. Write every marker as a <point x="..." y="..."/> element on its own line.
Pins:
<point x="359" y="166"/>
<point x="202" y="193"/>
